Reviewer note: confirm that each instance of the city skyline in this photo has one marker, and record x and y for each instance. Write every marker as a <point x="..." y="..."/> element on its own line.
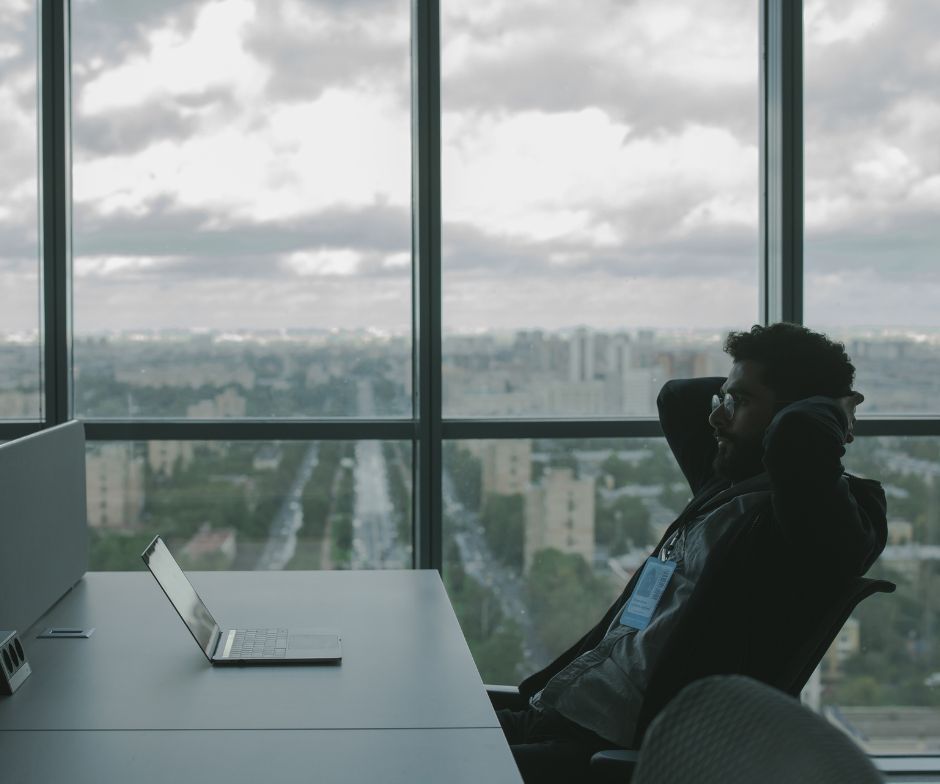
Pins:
<point x="599" y="167"/>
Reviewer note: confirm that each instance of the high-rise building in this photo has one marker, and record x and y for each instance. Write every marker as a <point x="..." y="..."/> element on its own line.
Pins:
<point x="506" y="466"/>
<point x="227" y="404"/>
<point x="165" y="457"/>
<point x="581" y="356"/>
<point x="16" y="404"/>
<point x="114" y="477"/>
<point x="560" y="515"/>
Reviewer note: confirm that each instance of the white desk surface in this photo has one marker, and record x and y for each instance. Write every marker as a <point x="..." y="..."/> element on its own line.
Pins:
<point x="454" y="756"/>
<point x="138" y="700"/>
<point x="405" y="661"/>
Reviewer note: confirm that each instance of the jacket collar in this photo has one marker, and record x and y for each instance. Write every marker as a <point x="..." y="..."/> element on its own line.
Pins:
<point x="713" y="495"/>
<point x="754" y="484"/>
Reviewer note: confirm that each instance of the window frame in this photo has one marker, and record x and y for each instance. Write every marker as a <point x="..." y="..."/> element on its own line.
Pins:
<point x="780" y="286"/>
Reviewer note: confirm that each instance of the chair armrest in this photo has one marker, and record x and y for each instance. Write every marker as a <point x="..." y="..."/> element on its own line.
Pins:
<point x="613" y="765"/>
<point x="505" y="697"/>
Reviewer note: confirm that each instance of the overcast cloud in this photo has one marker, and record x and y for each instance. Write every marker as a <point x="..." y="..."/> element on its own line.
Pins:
<point x="250" y="162"/>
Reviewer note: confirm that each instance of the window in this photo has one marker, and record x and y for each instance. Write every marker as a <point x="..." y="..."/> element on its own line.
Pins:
<point x="877" y="681"/>
<point x="20" y="325"/>
<point x="433" y="307"/>
<point x="872" y="117"/>
<point x="524" y="567"/>
<point x="600" y="200"/>
<point x="251" y="504"/>
<point x="241" y="210"/>
<point x="872" y="168"/>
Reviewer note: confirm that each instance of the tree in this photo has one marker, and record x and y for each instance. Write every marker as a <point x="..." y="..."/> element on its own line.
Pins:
<point x="565" y="597"/>
<point x="466" y="472"/>
<point x="503" y="519"/>
<point x="494" y="640"/>
<point x="623" y="522"/>
<point x="618" y="470"/>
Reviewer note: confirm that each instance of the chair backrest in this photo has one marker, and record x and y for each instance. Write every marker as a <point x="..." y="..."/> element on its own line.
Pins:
<point x="810" y="653"/>
<point x="789" y="670"/>
<point x="729" y="729"/>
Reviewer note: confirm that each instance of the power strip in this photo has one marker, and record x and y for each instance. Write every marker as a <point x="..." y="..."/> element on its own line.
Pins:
<point x="14" y="669"/>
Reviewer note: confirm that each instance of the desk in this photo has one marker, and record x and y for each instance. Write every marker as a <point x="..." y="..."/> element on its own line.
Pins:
<point x="138" y="701"/>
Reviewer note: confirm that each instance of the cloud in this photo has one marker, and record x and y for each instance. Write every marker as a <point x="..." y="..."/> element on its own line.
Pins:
<point x="653" y="65"/>
<point x="18" y="139"/>
<point x="345" y="148"/>
<point x="554" y="175"/>
<point x="172" y="230"/>
<point x="871" y="297"/>
<point x="314" y="46"/>
<point x="599" y="301"/>
<point x="600" y="161"/>
<point x="339" y="262"/>
<point x="269" y="302"/>
<point x="836" y="22"/>
<point x="872" y="118"/>
<point x="129" y="131"/>
<point x="715" y="254"/>
<point x="180" y="63"/>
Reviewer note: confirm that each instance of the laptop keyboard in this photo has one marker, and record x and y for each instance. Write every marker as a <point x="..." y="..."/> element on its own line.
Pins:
<point x="259" y="644"/>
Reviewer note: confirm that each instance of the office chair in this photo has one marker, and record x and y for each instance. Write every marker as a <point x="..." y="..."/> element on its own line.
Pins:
<point x="617" y="765"/>
<point x="729" y="729"/>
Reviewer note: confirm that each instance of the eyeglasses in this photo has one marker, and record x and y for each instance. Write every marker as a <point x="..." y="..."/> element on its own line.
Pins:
<point x="728" y="401"/>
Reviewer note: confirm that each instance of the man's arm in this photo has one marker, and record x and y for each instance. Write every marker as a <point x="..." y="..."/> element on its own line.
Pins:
<point x="831" y="516"/>
<point x="684" y="406"/>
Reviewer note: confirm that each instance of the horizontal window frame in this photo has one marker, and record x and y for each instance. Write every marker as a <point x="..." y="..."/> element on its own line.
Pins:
<point x="907" y="764"/>
<point x="407" y="429"/>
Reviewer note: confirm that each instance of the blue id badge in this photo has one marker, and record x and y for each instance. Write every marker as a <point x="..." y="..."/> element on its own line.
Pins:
<point x="649" y="590"/>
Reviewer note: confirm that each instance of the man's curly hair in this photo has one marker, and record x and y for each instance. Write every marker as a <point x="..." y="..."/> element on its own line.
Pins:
<point x="797" y="363"/>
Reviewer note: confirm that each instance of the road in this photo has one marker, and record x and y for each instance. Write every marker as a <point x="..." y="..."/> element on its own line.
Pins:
<point x="375" y="538"/>
<point x="282" y="536"/>
<point x="505" y="583"/>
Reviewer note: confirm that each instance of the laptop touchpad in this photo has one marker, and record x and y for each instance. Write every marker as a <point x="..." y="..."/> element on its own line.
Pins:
<point x="308" y="641"/>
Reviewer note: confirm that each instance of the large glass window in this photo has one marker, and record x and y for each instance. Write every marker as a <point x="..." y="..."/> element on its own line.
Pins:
<point x="251" y="504"/>
<point x="600" y="200"/>
<point x="242" y="192"/>
<point x="20" y="326"/>
<point x="872" y="196"/>
<point x="872" y="120"/>
<point x="880" y="679"/>
<point x="541" y="535"/>
<point x="241" y="218"/>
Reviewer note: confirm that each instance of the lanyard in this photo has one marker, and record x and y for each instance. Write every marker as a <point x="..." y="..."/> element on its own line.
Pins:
<point x="669" y="548"/>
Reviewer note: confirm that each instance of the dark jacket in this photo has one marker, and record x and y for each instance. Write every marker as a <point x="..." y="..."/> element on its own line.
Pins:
<point x="776" y="571"/>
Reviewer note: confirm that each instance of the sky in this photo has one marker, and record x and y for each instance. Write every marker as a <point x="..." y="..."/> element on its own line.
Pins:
<point x="247" y="164"/>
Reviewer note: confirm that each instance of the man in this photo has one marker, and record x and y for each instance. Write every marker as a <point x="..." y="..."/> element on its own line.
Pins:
<point x="775" y="529"/>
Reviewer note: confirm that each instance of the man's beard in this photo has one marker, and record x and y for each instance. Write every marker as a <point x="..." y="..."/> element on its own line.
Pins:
<point x="739" y="459"/>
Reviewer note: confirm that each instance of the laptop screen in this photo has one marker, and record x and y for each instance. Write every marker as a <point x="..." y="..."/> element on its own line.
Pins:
<point x="182" y="595"/>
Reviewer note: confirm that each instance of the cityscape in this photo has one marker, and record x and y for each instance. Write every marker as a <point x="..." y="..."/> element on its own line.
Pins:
<point x="539" y="535"/>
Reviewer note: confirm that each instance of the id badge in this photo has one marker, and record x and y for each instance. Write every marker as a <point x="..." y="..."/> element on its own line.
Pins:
<point x="642" y="603"/>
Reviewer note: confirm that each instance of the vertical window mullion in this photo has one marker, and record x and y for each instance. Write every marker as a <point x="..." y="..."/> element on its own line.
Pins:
<point x="426" y="265"/>
<point x="781" y="109"/>
<point x="55" y="206"/>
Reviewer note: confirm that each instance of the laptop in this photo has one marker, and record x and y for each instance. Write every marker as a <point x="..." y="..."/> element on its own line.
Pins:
<point x="236" y="646"/>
